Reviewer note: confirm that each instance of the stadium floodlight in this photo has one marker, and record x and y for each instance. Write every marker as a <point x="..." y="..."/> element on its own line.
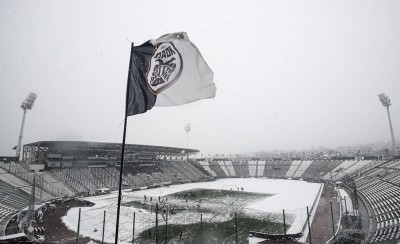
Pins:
<point x="29" y="101"/>
<point x="27" y="104"/>
<point x="385" y="100"/>
<point x="187" y="129"/>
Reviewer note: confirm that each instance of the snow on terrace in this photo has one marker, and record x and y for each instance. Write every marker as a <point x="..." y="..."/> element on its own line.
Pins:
<point x="261" y="167"/>
<point x="293" y="167"/>
<point x="302" y="168"/>
<point x="293" y="196"/>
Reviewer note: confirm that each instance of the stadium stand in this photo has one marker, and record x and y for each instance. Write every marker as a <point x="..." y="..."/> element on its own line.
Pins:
<point x="82" y="167"/>
<point x="253" y="168"/>
<point x="277" y="168"/>
<point x="229" y="167"/>
<point x="337" y="171"/>
<point x="302" y="168"/>
<point x="381" y="189"/>
<point x="223" y="167"/>
<point x="357" y="165"/>
<point x="236" y="164"/>
<point x="22" y="177"/>
<point x="318" y="169"/>
<point x="260" y="168"/>
<point x="244" y="166"/>
<point x="206" y="166"/>
<point x="12" y="200"/>
<point x="216" y="167"/>
<point x="293" y="168"/>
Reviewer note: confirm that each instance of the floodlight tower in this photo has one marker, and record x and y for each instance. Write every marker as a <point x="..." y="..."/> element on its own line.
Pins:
<point x="187" y="129"/>
<point x="385" y="100"/>
<point x="27" y="104"/>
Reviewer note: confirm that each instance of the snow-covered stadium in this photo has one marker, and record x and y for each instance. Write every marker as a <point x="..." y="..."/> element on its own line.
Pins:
<point x="169" y="196"/>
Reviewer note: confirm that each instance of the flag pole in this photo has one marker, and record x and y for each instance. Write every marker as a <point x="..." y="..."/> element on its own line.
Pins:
<point x="122" y="154"/>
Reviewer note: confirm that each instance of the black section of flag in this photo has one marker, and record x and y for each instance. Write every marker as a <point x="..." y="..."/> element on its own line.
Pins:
<point x="139" y="98"/>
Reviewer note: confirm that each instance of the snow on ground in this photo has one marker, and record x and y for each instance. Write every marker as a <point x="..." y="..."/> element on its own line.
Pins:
<point x="346" y="202"/>
<point x="291" y="195"/>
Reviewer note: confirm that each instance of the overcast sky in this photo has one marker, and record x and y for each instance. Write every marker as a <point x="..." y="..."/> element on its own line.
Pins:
<point x="290" y="74"/>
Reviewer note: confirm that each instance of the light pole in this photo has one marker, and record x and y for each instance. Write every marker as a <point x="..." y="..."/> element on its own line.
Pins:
<point x="27" y="104"/>
<point x="187" y="129"/>
<point x="385" y="100"/>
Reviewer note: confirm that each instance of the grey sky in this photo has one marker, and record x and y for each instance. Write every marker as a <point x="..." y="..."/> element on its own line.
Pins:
<point x="290" y="74"/>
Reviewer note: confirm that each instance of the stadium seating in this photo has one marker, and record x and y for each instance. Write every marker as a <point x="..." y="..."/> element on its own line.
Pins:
<point x="224" y="168"/>
<point x="216" y="167"/>
<point x="205" y="165"/>
<point x="12" y="200"/>
<point x="253" y="168"/>
<point x="277" y="168"/>
<point x="20" y="176"/>
<point x="380" y="187"/>
<point x="229" y="167"/>
<point x="378" y="182"/>
<point x="293" y="168"/>
<point x="339" y="170"/>
<point x="302" y="168"/>
<point x="319" y="168"/>
<point x="260" y="168"/>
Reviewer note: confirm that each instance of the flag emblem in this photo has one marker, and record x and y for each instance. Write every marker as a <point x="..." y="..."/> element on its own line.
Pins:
<point x="165" y="67"/>
<point x="167" y="71"/>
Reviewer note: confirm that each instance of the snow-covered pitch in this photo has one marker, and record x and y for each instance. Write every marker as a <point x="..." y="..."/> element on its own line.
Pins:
<point x="291" y="195"/>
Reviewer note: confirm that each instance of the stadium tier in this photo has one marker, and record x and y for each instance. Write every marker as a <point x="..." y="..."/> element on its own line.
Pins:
<point x="82" y="168"/>
<point x="380" y="186"/>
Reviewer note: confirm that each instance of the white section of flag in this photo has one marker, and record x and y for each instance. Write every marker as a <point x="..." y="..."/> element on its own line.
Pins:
<point x="196" y="80"/>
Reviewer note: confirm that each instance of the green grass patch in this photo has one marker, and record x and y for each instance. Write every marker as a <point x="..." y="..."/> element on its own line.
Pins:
<point x="218" y="208"/>
<point x="213" y="233"/>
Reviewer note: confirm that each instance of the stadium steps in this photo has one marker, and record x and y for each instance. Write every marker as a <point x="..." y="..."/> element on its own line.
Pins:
<point x="58" y="184"/>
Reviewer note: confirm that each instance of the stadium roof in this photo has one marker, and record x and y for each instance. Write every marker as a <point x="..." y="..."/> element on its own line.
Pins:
<point x="61" y="146"/>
